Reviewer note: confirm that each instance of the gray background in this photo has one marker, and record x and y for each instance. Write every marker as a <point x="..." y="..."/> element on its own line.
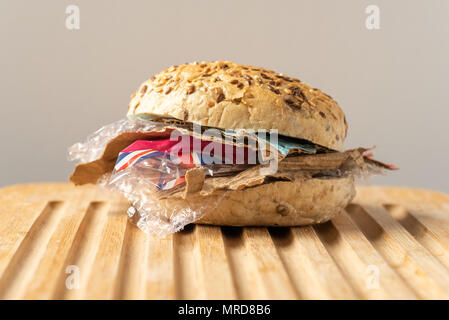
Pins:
<point x="57" y="85"/>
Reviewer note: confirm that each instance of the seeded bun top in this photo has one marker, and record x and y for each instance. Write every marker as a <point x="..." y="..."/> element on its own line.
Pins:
<point x="226" y="95"/>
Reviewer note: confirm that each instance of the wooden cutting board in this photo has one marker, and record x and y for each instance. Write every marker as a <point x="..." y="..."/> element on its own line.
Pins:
<point x="58" y="241"/>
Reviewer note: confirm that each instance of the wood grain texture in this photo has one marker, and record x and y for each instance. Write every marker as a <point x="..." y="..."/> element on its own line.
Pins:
<point x="63" y="242"/>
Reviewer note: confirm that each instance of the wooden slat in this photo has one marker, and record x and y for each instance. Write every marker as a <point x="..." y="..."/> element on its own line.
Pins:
<point x="416" y="252"/>
<point x="299" y="265"/>
<point x="46" y="228"/>
<point x="103" y="276"/>
<point x="215" y="266"/>
<point x="420" y="230"/>
<point x="15" y="222"/>
<point x="247" y="283"/>
<point x="436" y="226"/>
<point x="270" y="270"/>
<point x="349" y="262"/>
<point x="396" y="255"/>
<point x="131" y="278"/>
<point x="44" y="282"/>
<point x="160" y="278"/>
<point x="390" y="285"/>
<point x="326" y="271"/>
<point x="188" y="269"/>
<point x="26" y="258"/>
<point x="83" y="250"/>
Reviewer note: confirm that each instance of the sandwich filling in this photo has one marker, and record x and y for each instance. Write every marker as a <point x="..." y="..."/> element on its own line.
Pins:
<point x="164" y="151"/>
<point x="173" y="174"/>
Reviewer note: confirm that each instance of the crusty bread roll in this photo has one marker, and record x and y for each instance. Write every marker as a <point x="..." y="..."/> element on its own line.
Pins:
<point x="280" y="203"/>
<point x="226" y="95"/>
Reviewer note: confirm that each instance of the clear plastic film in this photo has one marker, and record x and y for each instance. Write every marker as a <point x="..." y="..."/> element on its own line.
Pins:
<point x="156" y="187"/>
<point x="168" y="190"/>
<point x="152" y="212"/>
<point x="95" y="143"/>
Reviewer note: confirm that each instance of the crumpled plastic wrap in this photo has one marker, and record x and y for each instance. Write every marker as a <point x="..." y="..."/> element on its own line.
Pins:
<point x="161" y="198"/>
<point x="149" y="209"/>
<point x="95" y="143"/>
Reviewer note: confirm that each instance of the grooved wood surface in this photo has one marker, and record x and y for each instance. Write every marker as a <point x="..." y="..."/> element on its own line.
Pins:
<point x="63" y="242"/>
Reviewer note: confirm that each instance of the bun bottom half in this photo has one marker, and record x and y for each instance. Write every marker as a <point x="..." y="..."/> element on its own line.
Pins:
<point x="280" y="203"/>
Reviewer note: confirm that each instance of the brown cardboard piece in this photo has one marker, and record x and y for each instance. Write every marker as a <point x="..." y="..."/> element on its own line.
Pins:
<point x="91" y="172"/>
<point x="289" y="168"/>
